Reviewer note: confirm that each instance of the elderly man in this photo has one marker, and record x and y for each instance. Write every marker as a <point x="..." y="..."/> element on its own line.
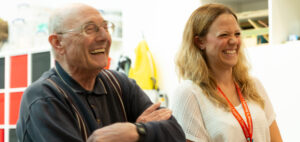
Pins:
<point x="79" y="101"/>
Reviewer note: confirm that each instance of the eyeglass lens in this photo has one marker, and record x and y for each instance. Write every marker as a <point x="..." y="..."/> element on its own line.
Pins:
<point x="92" y="28"/>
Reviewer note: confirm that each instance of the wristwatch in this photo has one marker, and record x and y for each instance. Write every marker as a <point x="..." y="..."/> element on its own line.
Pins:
<point x="140" y="128"/>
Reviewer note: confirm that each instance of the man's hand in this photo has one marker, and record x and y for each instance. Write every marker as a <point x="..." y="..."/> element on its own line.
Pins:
<point x="152" y="114"/>
<point x="117" y="132"/>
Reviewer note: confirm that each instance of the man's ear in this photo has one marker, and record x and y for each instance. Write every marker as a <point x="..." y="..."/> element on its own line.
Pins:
<point x="199" y="42"/>
<point x="55" y="42"/>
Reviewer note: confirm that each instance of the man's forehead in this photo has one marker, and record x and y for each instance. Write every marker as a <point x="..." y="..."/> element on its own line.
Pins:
<point x="83" y="16"/>
<point x="74" y="10"/>
<point x="82" y="11"/>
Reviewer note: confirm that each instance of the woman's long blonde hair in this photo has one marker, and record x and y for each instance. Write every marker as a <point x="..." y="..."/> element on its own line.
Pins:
<point x="192" y="64"/>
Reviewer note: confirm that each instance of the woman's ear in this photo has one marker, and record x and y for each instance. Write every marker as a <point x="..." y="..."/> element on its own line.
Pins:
<point x="55" y="42"/>
<point x="199" y="42"/>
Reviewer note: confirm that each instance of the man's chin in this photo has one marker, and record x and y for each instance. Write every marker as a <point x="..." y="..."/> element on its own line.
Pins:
<point x="103" y="66"/>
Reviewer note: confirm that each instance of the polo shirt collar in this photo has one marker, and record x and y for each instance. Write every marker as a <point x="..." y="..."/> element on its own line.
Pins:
<point x="99" y="87"/>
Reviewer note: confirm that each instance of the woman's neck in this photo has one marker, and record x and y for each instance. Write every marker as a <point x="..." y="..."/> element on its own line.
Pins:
<point x="223" y="77"/>
<point x="225" y="82"/>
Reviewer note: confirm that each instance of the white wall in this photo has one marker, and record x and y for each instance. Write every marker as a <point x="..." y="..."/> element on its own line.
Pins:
<point x="285" y="20"/>
<point x="277" y="67"/>
<point x="161" y="23"/>
<point x="241" y="5"/>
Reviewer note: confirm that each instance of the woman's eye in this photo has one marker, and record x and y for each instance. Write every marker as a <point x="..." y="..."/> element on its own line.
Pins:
<point x="237" y="34"/>
<point x="223" y="35"/>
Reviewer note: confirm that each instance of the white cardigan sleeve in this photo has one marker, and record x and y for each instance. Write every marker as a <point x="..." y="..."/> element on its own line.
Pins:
<point x="187" y="112"/>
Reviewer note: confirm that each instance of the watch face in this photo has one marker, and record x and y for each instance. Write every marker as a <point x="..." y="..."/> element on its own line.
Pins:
<point x="140" y="128"/>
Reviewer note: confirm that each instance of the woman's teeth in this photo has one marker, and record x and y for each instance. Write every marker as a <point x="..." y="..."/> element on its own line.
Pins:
<point x="230" y="51"/>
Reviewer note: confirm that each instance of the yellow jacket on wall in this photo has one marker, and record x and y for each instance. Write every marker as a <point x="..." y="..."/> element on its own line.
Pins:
<point x="144" y="70"/>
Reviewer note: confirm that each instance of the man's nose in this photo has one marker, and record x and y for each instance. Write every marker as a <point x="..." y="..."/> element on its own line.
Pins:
<point x="102" y="34"/>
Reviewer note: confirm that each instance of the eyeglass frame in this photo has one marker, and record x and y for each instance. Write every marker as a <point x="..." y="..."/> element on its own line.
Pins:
<point x="82" y="27"/>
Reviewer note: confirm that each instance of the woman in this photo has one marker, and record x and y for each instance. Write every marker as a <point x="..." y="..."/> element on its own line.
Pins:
<point x="217" y="100"/>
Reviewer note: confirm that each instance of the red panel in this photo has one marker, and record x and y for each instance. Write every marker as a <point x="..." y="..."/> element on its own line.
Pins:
<point x="14" y="105"/>
<point x="1" y="135"/>
<point x="18" y="71"/>
<point x="1" y="109"/>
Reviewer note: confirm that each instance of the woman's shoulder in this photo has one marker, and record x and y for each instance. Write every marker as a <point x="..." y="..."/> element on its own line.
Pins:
<point x="255" y="80"/>
<point x="187" y="93"/>
<point x="188" y="88"/>
<point x="188" y="85"/>
<point x="259" y="88"/>
<point x="257" y="83"/>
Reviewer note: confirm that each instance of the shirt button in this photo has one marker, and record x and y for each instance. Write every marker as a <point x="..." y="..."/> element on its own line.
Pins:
<point x="98" y="121"/>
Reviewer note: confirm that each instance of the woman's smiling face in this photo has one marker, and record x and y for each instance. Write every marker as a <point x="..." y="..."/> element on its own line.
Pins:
<point x="222" y="42"/>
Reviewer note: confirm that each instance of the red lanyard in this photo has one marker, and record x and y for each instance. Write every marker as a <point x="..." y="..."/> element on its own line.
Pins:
<point x="248" y="131"/>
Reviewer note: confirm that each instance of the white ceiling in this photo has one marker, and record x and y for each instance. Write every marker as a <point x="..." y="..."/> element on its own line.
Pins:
<point x="237" y="1"/>
<point x="233" y="1"/>
<point x="241" y="5"/>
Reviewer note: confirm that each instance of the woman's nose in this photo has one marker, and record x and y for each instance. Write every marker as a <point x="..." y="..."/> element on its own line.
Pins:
<point x="233" y="40"/>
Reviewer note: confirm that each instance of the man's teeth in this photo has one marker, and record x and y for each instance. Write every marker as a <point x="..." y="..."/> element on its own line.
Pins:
<point x="98" y="51"/>
<point x="230" y="51"/>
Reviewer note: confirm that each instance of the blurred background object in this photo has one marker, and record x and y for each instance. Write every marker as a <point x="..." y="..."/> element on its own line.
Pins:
<point x="3" y="31"/>
<point x="144" y="69"/>
<point x="124" y="64"/>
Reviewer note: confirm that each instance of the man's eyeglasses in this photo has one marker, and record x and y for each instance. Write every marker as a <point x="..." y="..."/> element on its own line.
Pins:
<point x="92" y="28"/>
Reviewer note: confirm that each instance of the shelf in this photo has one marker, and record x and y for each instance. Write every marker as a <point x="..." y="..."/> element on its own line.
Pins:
<point x="255" y="32"/>
<point x="254" y="15"/>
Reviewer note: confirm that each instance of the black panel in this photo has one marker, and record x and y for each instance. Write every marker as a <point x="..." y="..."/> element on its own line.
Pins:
<point x="40" y="64"/>
<point x="2" y="69"/>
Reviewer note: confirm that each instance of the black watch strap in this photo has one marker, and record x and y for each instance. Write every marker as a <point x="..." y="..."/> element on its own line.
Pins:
<point x="141" y="131"/>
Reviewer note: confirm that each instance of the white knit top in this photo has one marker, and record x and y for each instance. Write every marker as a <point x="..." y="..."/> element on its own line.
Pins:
<point x="202" y="121"/>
